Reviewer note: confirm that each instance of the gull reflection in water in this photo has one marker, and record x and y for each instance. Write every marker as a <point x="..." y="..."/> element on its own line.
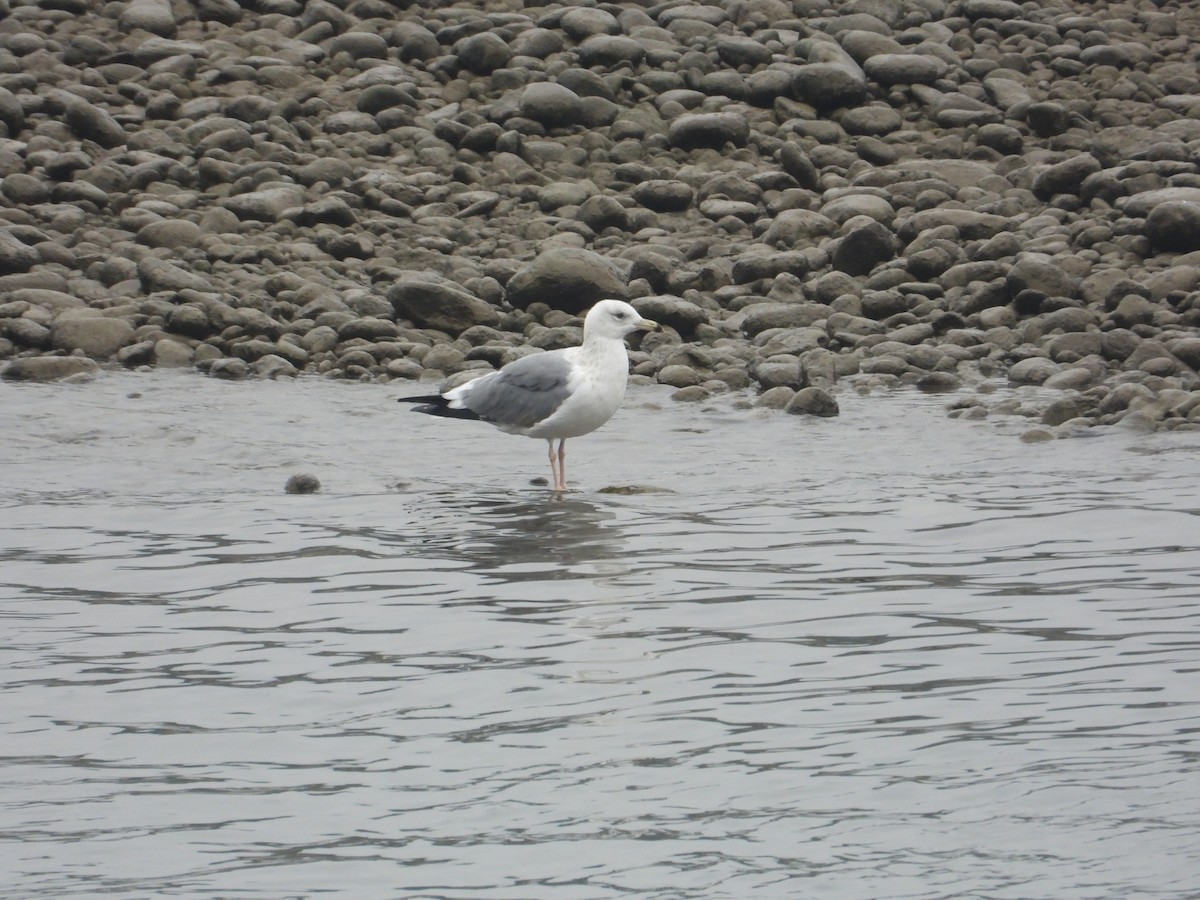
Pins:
<point x="525" y="538"/>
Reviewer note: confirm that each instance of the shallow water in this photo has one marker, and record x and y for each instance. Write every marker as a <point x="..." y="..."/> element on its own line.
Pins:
<point x="885" y="655"/>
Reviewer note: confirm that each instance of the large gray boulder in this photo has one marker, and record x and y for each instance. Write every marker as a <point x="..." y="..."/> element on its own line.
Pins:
<point x="566" y="278"/>
<point x="98" y="337"/>
<point x="434" y="302"/>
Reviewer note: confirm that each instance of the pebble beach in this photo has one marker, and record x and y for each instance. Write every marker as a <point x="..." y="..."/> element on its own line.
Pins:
<point x="812" y="196"/>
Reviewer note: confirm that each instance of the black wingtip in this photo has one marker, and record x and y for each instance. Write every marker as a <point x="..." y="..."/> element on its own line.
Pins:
<point x="433" y="399"/>
<point x="437" y="405"/>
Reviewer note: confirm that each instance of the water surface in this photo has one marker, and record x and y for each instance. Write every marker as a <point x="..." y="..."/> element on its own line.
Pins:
<point x="884" y="655"/>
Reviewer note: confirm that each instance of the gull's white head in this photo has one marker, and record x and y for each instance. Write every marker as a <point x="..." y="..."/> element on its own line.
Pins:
<point x="615" y="319"/>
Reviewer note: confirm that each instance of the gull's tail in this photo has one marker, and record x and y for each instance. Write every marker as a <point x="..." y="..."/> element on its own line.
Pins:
<point x="437" y="405"/>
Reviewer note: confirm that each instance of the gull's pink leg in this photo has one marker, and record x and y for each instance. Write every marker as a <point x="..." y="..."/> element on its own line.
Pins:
<point x="562" y="465"/>
<point x="553" y="464"/>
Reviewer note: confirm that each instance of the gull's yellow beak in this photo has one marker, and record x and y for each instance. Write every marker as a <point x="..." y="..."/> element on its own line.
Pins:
<point x="648" y="325"/>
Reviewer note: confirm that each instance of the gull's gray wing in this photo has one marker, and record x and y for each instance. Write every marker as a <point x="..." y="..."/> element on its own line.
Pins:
<point x="523" y="393"/>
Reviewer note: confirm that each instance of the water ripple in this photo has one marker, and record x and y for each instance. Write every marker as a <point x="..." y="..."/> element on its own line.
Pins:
<point x="922" y="670"/>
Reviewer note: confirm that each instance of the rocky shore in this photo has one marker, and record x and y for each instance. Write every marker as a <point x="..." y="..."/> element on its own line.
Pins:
<point x="812" y="196"/>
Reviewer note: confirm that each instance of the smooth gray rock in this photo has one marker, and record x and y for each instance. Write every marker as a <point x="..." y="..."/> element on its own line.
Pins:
<point x="15" y="255"/>
<point x="436" y="303"/>
<point x="813" y="401"/>
<point x="551" y="104"/>
<point x="1174" y="226"/>
<point x="711" y="130"/>
<point x="566" y="278"/>
<point x="49" y="368"/>
<point x="97" y="337"/>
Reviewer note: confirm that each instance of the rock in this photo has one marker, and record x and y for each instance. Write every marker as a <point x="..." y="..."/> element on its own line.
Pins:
<point x="1063" y="410"/>
<point x="15" y="256"/>
<point x="302" y="483"/>
<point x="12" y="114"/>
<point x="189" y="320"/>
<point x="25" y="190"/>
<point x="1187" y="350"/>
<point x="663" y="195"/>
<point x="229" y="369"/>
<point x="759" y="317"/>
<point x="1066" y="177"/>
<point x="1042" y="274"/>
<point x="483" y="53"/>
<point x="566" y="278"/>
<point x="813" y="401"/>
<point x="173" y="233"/>
<point x="49" y="368"/>
<point x="798" y="227"/>
<point x="1133" y="310"/>
<point x="272" y="365"/>
<point x="1034" y="370"/>
<point x="776" y="397"/>
<point x="267" y="204"/>
<point x="551" y="104"/>
<point x="26" y="333"/>
<point x="92" y="123"/>
<point x="682" y="315"/>
<point x="368" y="328"/>
<point x="154" y="16"/>
<point x="1048" y="119"/>
<point x="97" y="337"/>
<point x="432" y="302"/>
<point x="678" y="376"/>
<point x="1174" y="226"/>
<point x="610" y="51"/>
<point x="866" y="244"/>
<point x="904" y="68"/>
<point x="602" y="211"/>
<point x="711" y="130"/>
<point x="1141" y="204"/>
<point x="798" y="164"/>
<point x="830" y="79"/>
<point x="169" y="354"/>
<point x="160" y="275"/>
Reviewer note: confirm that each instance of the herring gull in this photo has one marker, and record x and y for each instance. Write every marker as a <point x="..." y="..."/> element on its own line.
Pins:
<point x="554" y="395"/>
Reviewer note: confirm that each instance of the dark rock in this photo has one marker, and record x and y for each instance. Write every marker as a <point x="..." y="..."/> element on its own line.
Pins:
<point x="683" y="316"/>
<point x="711" y="130"/>
<point x="1048" y="119"/>
<point x="566" y="278"/>
<point x="662" y="195"/>
<point x="1066" y="177"/>
<point x="863" y="247"/>
<point x="1174" y="226"/>
<point x="830" y="79"/>
<point x="16" y="256"/>
<point x="610" y="50"/>
<point x="904" y="68"/>
<point x="190" y="321"/>
<point x="436" y="303"/>
<point x="302" y="483"/>
<point x="92" y="123"/>
<point x="483" y="53"/>
<point x="12" y="114"/>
